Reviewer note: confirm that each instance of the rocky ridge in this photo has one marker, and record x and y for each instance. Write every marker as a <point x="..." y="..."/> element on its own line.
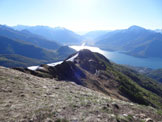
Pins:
<point x="94" y="71"/>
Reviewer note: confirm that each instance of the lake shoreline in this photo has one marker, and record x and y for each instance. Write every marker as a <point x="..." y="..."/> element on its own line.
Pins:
<point x="120" y="57"/>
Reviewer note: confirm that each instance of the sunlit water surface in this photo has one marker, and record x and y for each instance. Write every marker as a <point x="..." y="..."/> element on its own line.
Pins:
<point x="121" y="58"/>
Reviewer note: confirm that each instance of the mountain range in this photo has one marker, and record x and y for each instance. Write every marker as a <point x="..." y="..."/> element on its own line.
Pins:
<point x="15" y="53"/>
<point x="135" y="40"/>
<point x="37" y="40"/>
<point x="90" y="37"/>
<point x="23" y="48"/>
<point x="59" y="34"/>
<point x="159" y="30"/>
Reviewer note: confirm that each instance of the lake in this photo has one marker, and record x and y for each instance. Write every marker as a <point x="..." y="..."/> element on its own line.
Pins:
<point x="121" y="58"/>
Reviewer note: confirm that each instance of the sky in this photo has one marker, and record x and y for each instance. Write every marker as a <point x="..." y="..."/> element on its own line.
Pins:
<point x="83" y="15"/>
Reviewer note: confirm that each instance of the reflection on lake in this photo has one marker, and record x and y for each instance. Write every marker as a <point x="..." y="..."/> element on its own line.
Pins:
<point x="121" y="58"/>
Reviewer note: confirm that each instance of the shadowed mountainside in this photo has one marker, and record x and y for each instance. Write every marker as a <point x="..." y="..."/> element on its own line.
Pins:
<point x="135" y="41"/>
<point x="22" y="54"/>
<point x="31" y="38"/>
<point x="155" y="74"/>
<point x="96" y="72"/>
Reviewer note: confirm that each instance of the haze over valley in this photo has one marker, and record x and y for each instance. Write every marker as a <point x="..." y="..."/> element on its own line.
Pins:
<point x="134" y="46"/>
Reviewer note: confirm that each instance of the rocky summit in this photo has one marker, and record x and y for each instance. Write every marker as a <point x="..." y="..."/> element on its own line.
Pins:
<point x="27" y="98"/>
<point x="94" y="71"/>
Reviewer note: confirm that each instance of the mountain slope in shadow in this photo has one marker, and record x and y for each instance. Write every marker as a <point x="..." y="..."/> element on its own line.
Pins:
<point x="94" y="71"/>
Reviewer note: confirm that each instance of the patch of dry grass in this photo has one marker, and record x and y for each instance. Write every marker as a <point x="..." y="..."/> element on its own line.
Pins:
<point x="24" y="97"/>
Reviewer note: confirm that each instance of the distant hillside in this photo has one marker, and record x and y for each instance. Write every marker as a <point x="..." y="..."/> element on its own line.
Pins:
<point x="9" y="46"/>
<point x="27" y="36"/>
<point x="152" y="48"/>
<point x="64" y="51"/>
<point x="61" y="35"/>
<point x="158" y="30"/>
<point x="19" y="53"/>
<point x="13" y="52"/>
<point x="135" y="41"/>
<point x="94" y="71"/>
<point x="155" y="74"/>
<point x="14" y="60"/>
<point x="91" y="36"/>
<point x="95" y="34"/>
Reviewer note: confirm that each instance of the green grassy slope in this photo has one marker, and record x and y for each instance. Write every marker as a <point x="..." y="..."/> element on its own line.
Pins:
<point x="134" y="86"/>
<point x="21" y="54"/>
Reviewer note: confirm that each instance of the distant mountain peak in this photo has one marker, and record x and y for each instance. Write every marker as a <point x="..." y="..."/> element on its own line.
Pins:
<point x="25" y="31"/>
<point x="60" y="34"/>
<point x="60" y="28"/>
<point x="4" y="27"/>
<point x="135" y="27"/>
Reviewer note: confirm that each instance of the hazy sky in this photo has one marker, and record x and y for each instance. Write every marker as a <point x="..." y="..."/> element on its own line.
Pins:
<point x="83" y="15"/>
